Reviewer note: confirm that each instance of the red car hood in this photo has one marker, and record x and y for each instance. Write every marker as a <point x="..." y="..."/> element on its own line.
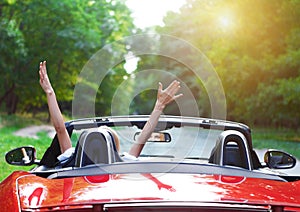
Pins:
<point x="36" y="192"/>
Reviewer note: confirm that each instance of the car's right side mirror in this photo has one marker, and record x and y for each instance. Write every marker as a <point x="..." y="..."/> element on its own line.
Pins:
<point x="276" y="159"/>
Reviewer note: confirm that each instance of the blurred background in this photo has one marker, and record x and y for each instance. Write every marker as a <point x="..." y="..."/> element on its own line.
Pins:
<point x="253" y="45"/>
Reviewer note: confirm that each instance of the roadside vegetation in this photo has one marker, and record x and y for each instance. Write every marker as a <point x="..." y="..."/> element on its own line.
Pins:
<point x="8" y="141"/>
<point x="253" y="46"/>
<point x="283" y="139"/>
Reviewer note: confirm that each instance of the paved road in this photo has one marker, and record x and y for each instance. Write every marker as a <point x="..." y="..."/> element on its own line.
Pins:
<point x="32" y="131"/>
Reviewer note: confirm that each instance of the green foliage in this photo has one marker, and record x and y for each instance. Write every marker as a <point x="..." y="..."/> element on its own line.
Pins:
<point x="8" y="126"/>
<point x="254" y="47"/>
<point x="9" y="141"/>
<point x="281" y="96"/>
<point x="280" y="138"/>
<point x="252" y="44"/>
<point x="16" y="121"/>
<point x="65" y="33"/>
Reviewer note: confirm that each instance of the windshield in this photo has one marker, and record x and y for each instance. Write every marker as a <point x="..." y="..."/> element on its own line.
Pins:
<point x="186" y="142"/>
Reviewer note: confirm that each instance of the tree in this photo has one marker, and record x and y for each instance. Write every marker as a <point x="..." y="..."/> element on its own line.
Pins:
<point x="12" y="51"/>
<point x="65" y="33"/>
<point x="254" y="47"/>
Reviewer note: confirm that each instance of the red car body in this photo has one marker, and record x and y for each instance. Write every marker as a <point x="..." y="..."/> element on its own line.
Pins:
<point x="23" y="191"/>
<point x="162" y="183"/>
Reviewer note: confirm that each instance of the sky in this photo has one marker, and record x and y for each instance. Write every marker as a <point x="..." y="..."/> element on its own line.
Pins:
<point x="148" y="13"/>
<point x="151" y="12"/>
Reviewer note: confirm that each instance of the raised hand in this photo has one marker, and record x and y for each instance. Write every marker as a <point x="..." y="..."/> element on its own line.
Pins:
<point x="168" y="95"/>
<point x="164" y="97"/>
<point x="54" y="110"/>
<point x="44" y="79"/>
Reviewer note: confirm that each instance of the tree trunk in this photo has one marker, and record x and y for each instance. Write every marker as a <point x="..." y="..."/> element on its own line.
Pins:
<point x="11" y="103"/>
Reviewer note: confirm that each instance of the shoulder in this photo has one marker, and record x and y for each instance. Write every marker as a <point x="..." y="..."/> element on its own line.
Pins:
<point x="67" y="154"/>
<point x="127" y="157"/>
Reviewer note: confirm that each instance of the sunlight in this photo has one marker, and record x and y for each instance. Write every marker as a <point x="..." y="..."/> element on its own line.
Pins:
<point x="131" y="62"/>
<point x="148" y="13"/>
<point x="224" y="21"/>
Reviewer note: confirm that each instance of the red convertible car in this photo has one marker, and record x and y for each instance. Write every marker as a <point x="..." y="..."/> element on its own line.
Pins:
<point x="188" y="164"/>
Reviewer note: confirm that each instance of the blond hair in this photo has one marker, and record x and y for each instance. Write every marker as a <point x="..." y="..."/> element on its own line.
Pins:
<point x="115" y="136"/>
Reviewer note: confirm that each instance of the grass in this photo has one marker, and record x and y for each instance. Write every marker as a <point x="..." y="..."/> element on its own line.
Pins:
<point x="8" y="141"/>
<point x="283" y="139"/>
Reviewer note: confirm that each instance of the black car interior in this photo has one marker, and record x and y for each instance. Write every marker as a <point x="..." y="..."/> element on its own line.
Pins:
<point x="230" y="151"/>
<point x="95" y="146"/>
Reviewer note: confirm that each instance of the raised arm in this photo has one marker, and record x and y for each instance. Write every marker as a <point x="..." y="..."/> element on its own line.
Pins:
<point x="164" y="97"/>
<point x="55" y="113"/>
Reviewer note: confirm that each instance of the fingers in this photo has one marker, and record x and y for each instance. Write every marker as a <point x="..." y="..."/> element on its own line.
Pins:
<point x="177" y="96"/>
<point x="43" y="70"/>
<point x="43" y="67"/>
<point x="41" y="73"/>
<point x="41" y="76"/>
<point x="169" y="94"/>
<point x="44" y="81"/>
<point x="173" y="88"/>
<point x="159" y="86"/>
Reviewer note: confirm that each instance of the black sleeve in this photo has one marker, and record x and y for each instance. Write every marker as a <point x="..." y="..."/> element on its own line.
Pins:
<point x="49" y="159"/>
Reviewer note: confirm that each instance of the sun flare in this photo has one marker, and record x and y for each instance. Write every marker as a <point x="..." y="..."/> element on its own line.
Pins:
<point x="225" y="21"/>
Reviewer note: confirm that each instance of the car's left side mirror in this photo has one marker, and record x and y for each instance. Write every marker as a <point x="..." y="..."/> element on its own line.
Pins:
<point x="276" y="159"/>
<point x="21" y="156"/>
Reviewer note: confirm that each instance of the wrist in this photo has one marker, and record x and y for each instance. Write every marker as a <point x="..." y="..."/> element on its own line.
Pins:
<point x="159" y="106"/>
<point x="49" y="91"/>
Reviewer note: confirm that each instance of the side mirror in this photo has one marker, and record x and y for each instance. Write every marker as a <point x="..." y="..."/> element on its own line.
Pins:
<point x="276" y="159"/>
<point x="156" y="137"/>
<point x="21" y="156"/>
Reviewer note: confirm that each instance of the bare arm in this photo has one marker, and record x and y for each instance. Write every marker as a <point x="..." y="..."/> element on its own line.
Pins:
<point x="55" y="113"/>
<point x="164" y="97"/>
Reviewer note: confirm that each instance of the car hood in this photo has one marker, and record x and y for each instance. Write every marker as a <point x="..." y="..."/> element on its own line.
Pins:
<point x="36" y="192"/>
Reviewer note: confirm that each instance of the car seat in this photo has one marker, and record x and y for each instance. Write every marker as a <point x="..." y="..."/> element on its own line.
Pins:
<point x="233" y="155"/>
<point x="230" y="149"/>
<point x="95" y="146"/>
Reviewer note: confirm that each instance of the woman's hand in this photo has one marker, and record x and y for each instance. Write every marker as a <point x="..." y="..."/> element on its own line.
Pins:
<point x="55" y="113"/>
<point x="44" y="79"/>
<point x="164" y="97"/>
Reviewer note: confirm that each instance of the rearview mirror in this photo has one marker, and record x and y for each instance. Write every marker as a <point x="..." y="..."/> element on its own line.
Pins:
<point x="276" y="159"/>
<point x="156" y="137"/>
<point x="22" y="156"/>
